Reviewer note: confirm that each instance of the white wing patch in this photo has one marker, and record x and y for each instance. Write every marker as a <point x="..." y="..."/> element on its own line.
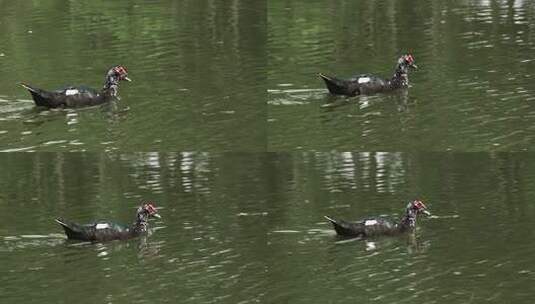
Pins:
<point x="71" y="92"/>
<point x="370" y="222"/>
<point x="364" y="79"/>
<point x="102" y="226"/>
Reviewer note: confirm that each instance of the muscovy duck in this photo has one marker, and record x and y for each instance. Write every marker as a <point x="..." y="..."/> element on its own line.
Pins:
<point x="102" y="231"/>
<point x="74" y="97"/>
<point x="369" y="84"/>
<point x="380" y="226"/>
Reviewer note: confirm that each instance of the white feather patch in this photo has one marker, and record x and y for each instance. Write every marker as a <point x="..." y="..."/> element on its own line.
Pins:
<point x="364" y="79"/>
<point x="370" y="222"/>
<point x="71" y="92"/>
<point x="102" y="226"/>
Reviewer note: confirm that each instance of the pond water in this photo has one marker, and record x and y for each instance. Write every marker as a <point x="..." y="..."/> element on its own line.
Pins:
<point x="473" y="90"/>
<point x="231" y="80"/>
<point x="239" y="76"/>
<point x="249" y="228"/>
<point x="198" y="71"/>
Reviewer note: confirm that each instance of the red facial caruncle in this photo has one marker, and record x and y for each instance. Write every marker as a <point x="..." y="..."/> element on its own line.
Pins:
<point x="121" y="72"/>
<point x="150" y="208"/>
<point x="419" y="205"/>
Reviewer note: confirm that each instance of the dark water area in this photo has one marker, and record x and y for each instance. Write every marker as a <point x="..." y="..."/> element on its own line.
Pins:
<point x="249" y="228"/>
<point x="198" y="70"/>
<point x="473" y="91"/>
<point x="230" y="81"/>
<point x="241" y="76"/>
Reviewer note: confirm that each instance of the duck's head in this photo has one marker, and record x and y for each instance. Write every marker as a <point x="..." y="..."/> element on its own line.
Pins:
<point x="118" y="72"/>
<point x="407" y="61"/>
<point x="114" y="76"/>
<point x="147" y="210"/>
<point x="417" y="207"/>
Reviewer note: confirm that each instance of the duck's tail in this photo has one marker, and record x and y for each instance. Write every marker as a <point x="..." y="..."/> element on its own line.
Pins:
<point x="337" y="86"/>
<point x="71" y="230"/>
<point x="40" y="97"/>
<point x="338" y="227"/>
<point x="344" y="228"/>
<point x="330" y="219"/>
<point x="29" y="88"/>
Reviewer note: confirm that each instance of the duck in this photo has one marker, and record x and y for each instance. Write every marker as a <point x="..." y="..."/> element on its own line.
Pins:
<point x="75" y="97"/>
<point x="367" y="84"/>
<point x="377" y="226"/>
<point x="102" y="231"/>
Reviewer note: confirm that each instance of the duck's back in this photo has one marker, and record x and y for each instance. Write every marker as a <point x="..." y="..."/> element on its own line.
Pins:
<point x="73" y="97"/>
<point x="364" y="228"/>
<point x="356" y="85"/>
<point x="379" y="226"/>
<point x="369" y="84"/>
<point x="69" y="97"/>
<point x="105" y="231"/>
<point x="95" y="232"/>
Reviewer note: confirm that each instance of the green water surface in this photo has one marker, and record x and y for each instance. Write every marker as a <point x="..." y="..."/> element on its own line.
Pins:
<point x="235" y="82"/>
<point x="249" y="228"/>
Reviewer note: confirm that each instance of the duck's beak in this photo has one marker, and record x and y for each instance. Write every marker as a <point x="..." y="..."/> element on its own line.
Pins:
<point x="127" y="79"/>
<point x="156" y="215"/>
<point x="414" y="66"/>
<point x="426" y="212"/>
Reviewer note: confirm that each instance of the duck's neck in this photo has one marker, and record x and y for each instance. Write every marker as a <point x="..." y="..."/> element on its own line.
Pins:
<point x="141" y="225"/>
<point x="111" y="85"/>
<point x="408" y="221"/>
<point x="401" y="77"/>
